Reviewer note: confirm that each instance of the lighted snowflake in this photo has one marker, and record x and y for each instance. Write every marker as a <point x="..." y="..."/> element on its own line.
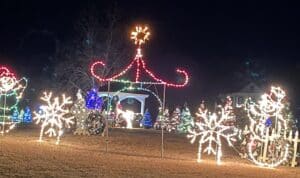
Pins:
<point x="54" y="116"/>
<point x="140" y="35"/>
<point x="210" y="129"/>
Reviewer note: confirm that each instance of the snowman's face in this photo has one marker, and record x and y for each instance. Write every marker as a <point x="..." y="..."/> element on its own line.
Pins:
<point x="7" y="80"/>
<point x="7" y="83"/>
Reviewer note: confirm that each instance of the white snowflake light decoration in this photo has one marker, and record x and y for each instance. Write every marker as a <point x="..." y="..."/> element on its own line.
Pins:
<point x="210" y="128"/>
<point x="268" y="128"/>
<point x="54" y="116"/>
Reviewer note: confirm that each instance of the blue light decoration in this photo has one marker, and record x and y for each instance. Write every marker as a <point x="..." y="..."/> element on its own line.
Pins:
<point x="268" y="122"/>
<point x="27" y="118"/>
<point x="15" y="116"/>
<point x="146" y="122"/>
<point x="92" y="100"/>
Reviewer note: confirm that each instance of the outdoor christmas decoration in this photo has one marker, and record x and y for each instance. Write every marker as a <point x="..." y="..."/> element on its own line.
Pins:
<point x="11" y="91"/>
<point x="173" y="121"/>
<point x="294" y="141"/>
<point x="15" y="117"/>
<point x="202" y="109"/>
<point x="93" y="101"/>
<point x="143" y="75"/>
<point x="95" y="123"/>
<point x="140" y="35"/>
<point x="26" y="116"/>
<point x="54" y="116"/>
<point x="210" y="128"/>
<point x="146" y="122"/>
<point x="186" y="120"/>
<point x="124" y="118"/>
<point x="228" y="108"/>
<point x="267" y="144"/>
<point x="80" y="114"/>
<point x="131" y="88"/>
<point x="162" y="118"/>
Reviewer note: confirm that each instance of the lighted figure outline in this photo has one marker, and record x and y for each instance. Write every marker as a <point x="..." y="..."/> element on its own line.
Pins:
<point x="140" y="66"/>
<point x="270" y="105"/>
<point x="10" y="86"/>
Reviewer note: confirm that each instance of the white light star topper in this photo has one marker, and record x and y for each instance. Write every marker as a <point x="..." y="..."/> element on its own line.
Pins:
<point x="54" y="116"/>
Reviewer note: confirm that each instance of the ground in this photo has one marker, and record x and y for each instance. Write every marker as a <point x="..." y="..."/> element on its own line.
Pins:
<point x="130" y="153"/>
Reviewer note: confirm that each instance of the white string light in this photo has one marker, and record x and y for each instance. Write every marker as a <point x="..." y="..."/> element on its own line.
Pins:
<point x="268" y="128"/>
<point x="81" y="114"/>
<point x="210" y="128"/>
<point x="127" y="115"/>
<point x="54" y="116"/>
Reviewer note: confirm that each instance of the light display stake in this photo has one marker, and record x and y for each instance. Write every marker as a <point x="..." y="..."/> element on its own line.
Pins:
<point x="54" y="116"/>
<point x="210" y="129"/>
<point x="11" y="91"/>
<point x="139" y="36"/>
<point x="268" y="145"/>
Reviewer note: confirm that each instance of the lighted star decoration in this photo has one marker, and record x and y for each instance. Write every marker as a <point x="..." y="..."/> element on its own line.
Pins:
<point x="210" y="129"/>
<point x="268" y="129"/>
<point x="54" y="116"/>
<point x="139" y="65"/>
<point x="140" y="35"/>
<point x="11" y="91"/>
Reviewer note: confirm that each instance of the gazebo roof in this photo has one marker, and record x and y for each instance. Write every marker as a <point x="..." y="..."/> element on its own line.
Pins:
<point x="125" y="95"/>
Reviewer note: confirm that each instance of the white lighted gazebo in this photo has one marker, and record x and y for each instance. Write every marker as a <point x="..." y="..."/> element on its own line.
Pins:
<point x="123" y="95"/>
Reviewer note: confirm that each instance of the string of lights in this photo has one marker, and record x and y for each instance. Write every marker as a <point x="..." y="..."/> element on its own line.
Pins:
<point x="268" y="129"/>
<point x="54" y="116"/>
<point x="139" y="36"/>
<point x="11" y="91"/>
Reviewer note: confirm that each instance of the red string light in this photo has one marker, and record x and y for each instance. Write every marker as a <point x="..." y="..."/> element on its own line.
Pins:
<point x="137" y="74"/>
<point x="5" y="72"/>
<point x="97" y="63"/>
<point x="140" y="64"/>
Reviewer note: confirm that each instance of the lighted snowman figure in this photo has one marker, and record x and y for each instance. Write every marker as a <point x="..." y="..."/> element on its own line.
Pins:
<point x="268" y="129"/>
<point x="11" y="91"/>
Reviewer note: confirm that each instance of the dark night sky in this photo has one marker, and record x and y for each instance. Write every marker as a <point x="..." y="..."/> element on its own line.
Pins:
<point x="211" y="39"/>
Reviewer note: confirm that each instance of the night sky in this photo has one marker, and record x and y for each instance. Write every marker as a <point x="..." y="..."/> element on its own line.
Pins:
<point x="210" y="39"/>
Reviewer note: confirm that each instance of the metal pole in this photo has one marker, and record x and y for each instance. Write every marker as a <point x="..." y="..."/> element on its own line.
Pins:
<point x="107" y="114"/>
<point x="162" y="123"/>
<point x="3" y="120"/>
